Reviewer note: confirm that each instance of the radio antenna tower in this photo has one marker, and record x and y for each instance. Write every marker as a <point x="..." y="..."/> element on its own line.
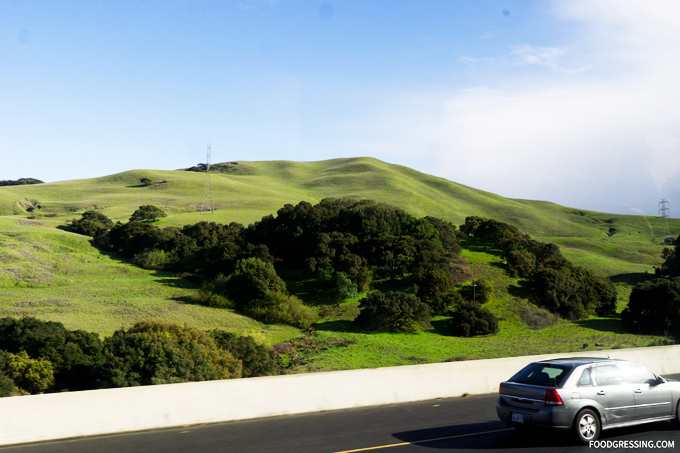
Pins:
<point x="207" y="188"/>
<point x="663" y="213"/>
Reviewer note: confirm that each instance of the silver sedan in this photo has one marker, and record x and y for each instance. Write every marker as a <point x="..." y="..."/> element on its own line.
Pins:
<point x="586" y="395"/>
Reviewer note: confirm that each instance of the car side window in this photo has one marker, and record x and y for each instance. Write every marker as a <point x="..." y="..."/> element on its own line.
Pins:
<point x="585" y="378"/>
<point x="636" y="374"/>
<point x="607" y="375"/>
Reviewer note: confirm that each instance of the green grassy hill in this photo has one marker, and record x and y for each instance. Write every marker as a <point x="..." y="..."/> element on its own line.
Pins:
<point x="251" y="190"/>
<point x="56" y="275"/>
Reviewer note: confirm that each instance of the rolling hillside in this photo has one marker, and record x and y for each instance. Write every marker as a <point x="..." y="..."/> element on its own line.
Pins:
<point x="57" y="275"/>
<point x="250" y="190"/>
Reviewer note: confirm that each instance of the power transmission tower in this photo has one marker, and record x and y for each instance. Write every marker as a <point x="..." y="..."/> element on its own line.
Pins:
<point x="207" y="188"/>
<point x="663" y="213"/>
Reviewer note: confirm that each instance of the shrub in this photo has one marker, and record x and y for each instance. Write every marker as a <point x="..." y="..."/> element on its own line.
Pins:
<point x="393" y="311"/>
<point x="276" y="307"/>
<point x="344" y="287"/>
<point x="158" y="353"/>
<point x="535" y="317"/>
<point x="251" y="279"/>
<point x="435" y="287"/>
<point x="92" y="223"/>
<point x="7" y="386"/>
<point x="470" y="319"/>
<point x="153" y="259"/>
<point x="31" y="376"/>
<point x="256" y="358"/>
<point x="213" y="293"/>
<point x="147" y="213"/>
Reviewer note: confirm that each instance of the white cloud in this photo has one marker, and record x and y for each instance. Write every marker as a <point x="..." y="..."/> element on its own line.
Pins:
<point x="609" y="133"/>
<point x="550" y="57"/>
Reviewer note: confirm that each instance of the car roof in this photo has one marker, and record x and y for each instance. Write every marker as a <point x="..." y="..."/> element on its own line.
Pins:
<point x="577" y="361"/>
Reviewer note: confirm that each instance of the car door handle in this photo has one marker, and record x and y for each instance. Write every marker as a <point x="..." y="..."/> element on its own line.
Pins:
<point x="601" y="392"/>
<point x="638" y="390"/>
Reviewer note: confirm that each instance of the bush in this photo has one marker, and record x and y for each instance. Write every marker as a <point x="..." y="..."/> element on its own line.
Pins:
<point x="31" y="376"/>
<point x="276" y="307"/>
<point x="212" y="293"/>
<point x="92" y="223"/>
<point x="256" y="358"/>
<point x="393" y="311"/>
<point x="153" y="259"/>
<point x="470" y="319"/>
<point x="483" y="290"/>
<point x="147" y="213"/>
<point x="435" y="287"/>
<point x="7" y="386"/>
<point x="344" y="287"/>
<point x="158" y="353"/>
<point x="251" y="280"/>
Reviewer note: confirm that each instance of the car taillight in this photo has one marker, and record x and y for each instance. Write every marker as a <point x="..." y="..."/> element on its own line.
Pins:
<point x="552" y="398"/>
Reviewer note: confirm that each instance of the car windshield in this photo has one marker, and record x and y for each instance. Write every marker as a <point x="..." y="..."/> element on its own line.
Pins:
<point x="545" y="374"/>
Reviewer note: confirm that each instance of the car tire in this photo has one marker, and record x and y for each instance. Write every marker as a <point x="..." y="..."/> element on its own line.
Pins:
<point x="587" y="426"/>
<point x="676" y="420"/>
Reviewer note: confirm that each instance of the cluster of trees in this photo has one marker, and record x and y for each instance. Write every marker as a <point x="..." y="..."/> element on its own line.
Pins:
<point x="20" y="182"/>
<point x="654" y="308"/>
<point x="570" y="291"/>
<point x="43" y="356"/>
<point x="654" y="305"/>
<point x="346" y="244"/>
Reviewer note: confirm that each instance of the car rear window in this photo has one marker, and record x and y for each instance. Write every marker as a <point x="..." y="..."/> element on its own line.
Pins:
<point x="545" y="374"/>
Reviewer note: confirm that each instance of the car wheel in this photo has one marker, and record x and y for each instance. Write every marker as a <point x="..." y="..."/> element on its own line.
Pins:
<point x="587" y="426"/>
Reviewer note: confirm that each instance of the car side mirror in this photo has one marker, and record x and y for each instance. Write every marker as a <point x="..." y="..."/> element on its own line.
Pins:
<point x="659" y="380"/>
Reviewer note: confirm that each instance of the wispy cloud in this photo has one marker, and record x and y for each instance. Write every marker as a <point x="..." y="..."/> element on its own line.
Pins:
<point x="598" y="129"/>
<point x="555" y="58"/>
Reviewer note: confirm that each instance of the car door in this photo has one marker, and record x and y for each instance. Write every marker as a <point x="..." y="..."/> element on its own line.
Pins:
<point x="652" y="396"/>
<point x="614" y="394"/>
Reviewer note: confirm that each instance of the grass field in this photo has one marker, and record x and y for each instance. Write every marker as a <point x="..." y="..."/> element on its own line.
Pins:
<point x="55" y="275"/>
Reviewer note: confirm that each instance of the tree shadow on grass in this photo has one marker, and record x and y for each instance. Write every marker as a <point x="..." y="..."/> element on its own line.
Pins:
<point x="477" y="245"/>
<point x="610" y="324"/>
<point x="312" y="292"/>
<point x="338" y="326"/>
<point x="522" y="289"/>
<point x="632" y="278"/>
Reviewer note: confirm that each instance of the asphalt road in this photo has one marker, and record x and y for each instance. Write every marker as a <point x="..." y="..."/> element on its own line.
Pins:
<point x="452" y="424"/>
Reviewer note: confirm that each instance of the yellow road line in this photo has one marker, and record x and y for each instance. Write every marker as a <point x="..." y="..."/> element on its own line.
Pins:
<point x="423" y="441"/>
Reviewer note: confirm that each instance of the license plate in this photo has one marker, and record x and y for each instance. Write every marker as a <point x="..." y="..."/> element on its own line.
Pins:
<point x="517" y="418"/>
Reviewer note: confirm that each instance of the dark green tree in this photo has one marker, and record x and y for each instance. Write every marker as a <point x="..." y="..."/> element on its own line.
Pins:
<point x="92" y="223"/>
<point x="654" y="308"/>
<point x="257" y="359"/>
<point x="158" y="353"/>
<point x="470" y="319"/>
<point x="251" y="279"/>
<point x="76" y="356"/>
<point x="393" y="311"/>
<point x="148" y="213"/>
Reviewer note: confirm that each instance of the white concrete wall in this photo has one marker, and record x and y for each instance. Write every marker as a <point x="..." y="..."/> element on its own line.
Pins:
<point x="62" y="415"/>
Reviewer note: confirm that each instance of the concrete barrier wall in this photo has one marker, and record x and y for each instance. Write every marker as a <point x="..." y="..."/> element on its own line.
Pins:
<point x="63" y="415"/>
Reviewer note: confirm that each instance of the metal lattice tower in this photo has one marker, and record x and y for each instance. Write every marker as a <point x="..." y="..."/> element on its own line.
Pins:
<point x="207" y="188"/>
<point x="664" y="214"/>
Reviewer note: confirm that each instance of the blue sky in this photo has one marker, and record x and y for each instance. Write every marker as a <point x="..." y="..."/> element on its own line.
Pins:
<point x="573" y="102"/>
